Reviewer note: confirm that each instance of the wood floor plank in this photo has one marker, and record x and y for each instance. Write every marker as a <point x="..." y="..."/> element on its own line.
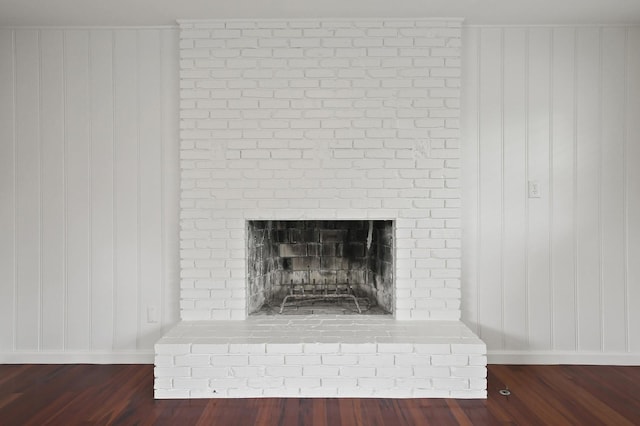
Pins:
<point x="319" y="413"/>
<point x="436" y="412"/>
<point x="459" y="414"/>
<point x="267" y="408"/>
<point x="333" y="412"/>
<point x="536" y="393"/>
<point x="8" y="372"/>
<point x="123" y="395"/>
<point x="617" y="383"/>
<point x="589" y="403"/>
<point x="478" y="413"/>
<point x="520" y="402"/>
<point x="397" y="411"/>
<point x="8" y="399"/>
<point x="372" y="413"/>
<point x="349" y="414"/>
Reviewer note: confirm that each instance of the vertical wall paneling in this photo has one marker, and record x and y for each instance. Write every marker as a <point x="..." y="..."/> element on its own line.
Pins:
<point x="76" y="124"/>
<point x="613" y="227"/>
<point x="538" y="149"/>
<point x="514" y="188"/>
<point x="170" y="178"/>
<point x="52" y="130"/>
<point x="89" y="189"/>
<point x="150" y="193"/>
<point x="471" y="176"/>
<point x="559" y="106"/>
<point x="587" y="186"/>
<point x="78" y="181"/>
<point x="28" y="190"/>
<point x="7" y="191"/>
<point x="562" y="169"/>
<point x="491" y="202"/>
<point x="102" y="203"/>
<point x="632" y="158"/>
<point x="126" y="129"/>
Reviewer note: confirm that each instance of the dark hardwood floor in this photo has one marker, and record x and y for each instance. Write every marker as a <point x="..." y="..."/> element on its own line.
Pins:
<point x="123" y="395"/>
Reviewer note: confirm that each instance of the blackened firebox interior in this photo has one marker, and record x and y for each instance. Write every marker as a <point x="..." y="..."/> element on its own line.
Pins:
<point x="320" y="266"/>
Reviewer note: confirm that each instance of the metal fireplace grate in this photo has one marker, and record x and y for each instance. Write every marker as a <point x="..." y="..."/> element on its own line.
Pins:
<point x="319" y="292"/>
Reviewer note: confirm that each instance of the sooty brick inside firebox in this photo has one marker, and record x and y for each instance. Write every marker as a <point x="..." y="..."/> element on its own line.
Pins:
<point x="312" y="253"/>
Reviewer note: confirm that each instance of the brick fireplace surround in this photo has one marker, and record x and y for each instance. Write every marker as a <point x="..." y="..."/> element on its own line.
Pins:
<point x="320" y="120"/>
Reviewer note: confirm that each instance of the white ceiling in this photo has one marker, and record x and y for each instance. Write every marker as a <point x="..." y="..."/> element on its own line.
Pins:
<point x="165" y="12"/>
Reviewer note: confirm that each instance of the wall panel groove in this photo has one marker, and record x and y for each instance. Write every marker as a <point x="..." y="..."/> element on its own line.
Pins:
<point x="114" y="188"/>
<point x="514" y="156"/>
<point x="633" y="187"/>
<point x="8" y="290"/>
<point x="502" y="202"/>
<point x="478" y="244"/>
<point x="90" y="195"/>
<point x="65" y="310"/>
<point x="599" y="207"/>
<point x="576" y="239"/>
<point x="14" y="141"/>
<point x="625" y="203"/>
<point x="550" y="283"/>
<point x="40" y="191"/>
<point x="27" y="197"/>
<point x="613" y="185"/>
<point x="138" y="193"/>
<point x="527" y="218"/>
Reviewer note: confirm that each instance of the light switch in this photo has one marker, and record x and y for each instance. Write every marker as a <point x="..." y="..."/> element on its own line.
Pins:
<point x="534" y="189"/>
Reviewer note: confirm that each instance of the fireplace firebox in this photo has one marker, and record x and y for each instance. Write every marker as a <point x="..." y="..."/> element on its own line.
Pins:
<point x="320" y="266"/>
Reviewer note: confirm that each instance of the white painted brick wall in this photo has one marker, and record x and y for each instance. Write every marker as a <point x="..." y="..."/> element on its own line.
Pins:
<point x="317" y="119"/>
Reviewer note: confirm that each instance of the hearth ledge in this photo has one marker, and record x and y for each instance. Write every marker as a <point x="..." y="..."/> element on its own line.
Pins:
<point x="320" y="356"/>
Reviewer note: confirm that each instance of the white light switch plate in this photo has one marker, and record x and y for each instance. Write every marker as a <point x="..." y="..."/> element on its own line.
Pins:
<point x="534" y="189"/>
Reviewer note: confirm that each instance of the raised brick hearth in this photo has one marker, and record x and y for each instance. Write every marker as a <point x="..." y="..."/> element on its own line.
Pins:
<point x="321" y="356"/>
<point x="320" y="120"/>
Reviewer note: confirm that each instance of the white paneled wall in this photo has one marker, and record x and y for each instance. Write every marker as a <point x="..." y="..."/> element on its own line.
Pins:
<point x="89" y="193"/>
<point x="555" y="278"/>
<point x="89" y="197"/>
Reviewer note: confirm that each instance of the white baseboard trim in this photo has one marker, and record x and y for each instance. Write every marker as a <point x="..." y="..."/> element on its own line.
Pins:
<point x="76" y="357"/>
<point x="554" y="358"/>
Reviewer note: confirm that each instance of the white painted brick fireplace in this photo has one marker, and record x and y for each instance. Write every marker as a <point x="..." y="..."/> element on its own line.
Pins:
<point x="320" y="120"/>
